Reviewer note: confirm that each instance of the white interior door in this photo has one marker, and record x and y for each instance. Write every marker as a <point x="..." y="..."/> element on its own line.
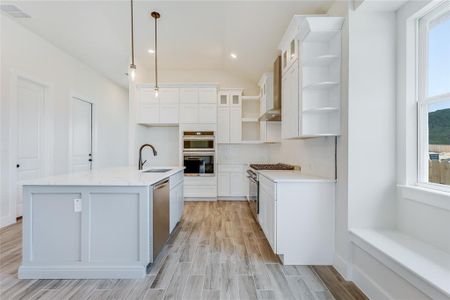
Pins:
<point x="81" y="156"/>
<point x="30" y="134"/>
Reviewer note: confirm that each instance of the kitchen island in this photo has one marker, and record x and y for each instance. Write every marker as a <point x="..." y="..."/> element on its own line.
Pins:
<point x="97" y="224"/>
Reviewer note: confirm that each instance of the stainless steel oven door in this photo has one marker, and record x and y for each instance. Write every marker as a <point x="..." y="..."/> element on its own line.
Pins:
<point x="199" y="163"/>
<point x="253" y="193"/>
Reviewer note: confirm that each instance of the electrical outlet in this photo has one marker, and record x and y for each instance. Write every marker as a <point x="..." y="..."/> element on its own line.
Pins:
<point x="77" y="205"/>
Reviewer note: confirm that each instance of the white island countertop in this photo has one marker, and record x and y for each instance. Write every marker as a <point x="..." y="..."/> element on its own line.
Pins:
<point x="292" y="176"/>
<point x="120" y="176"/>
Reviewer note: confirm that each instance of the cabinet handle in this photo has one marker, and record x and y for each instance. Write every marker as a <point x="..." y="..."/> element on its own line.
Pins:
<point x="17" y="166"/>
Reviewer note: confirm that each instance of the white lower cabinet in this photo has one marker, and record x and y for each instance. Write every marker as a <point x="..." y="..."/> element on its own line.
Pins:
<point x="298" y="220"/>
<point x="176" y="204"/>
<point x="232" y="181"/>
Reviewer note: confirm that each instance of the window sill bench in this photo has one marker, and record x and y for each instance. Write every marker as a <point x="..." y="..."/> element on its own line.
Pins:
<point x="425" y="266"/>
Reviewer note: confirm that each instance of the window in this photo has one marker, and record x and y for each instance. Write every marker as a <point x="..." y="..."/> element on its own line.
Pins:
<point x="434" y="98"/>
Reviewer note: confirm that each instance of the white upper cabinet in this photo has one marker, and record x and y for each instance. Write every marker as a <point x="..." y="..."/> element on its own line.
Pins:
<point x="311" y="64"/>
<point x="207" y="96"/>
<point x="229" y="121"/>
<point x="188" y="95"/>
<point x="175" y="105"/>
<point x="163" y="109"/>
<point x="290" y="103"/>
<point x="198" y="105"/>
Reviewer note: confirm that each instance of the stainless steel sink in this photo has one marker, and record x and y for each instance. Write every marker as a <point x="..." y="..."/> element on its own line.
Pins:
<point x="156" y="171"/>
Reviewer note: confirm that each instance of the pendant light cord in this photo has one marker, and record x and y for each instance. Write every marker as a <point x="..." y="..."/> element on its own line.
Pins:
<point x="156" y="54"/>
<point x="132" y="33"/>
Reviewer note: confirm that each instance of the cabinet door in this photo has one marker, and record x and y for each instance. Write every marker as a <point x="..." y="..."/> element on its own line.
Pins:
<point x="223" y="122"/>
<point x="263" y="200"/>
<point x="168" y="114"/>
<point x="271" y="222"/>
<point x="224" y="99"/>
<point x="189" y="95"/>
<point x="235" y="99"/>
<point x="235" y="125"/>
<point x="188" y="113"/>
<point x="207" y="95"/>
<point x="207" y="113"/>
<point x="238" y="184"/>
<point x="180" y="195"/>
<point x="148" y="113"/>
<point x="147" y="95"/>
<point x="290" y="103"/>
<point x="173" y="209"/>
<point x="223" y="184"/>
<point x="168" y="96"/>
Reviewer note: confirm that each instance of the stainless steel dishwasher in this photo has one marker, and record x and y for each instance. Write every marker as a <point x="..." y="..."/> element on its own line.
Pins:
<point x="160" y="215"/>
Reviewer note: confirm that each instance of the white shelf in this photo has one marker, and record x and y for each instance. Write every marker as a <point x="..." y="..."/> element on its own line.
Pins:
<point x="321" y="85"/>
<point x="251" y="98"/>
<point x="321" y="109"/>
<point x="320" y="61"/>
<point x="250" y="119"/>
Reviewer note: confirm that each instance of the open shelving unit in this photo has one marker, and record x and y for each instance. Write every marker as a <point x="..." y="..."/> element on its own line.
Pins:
<point x="320" y="62"/>
<point x="250" y="119"/>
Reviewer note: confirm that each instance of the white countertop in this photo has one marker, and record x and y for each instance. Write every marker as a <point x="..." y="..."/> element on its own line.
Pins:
<point x="292" y="176"/>
<point x="122" y="176"/>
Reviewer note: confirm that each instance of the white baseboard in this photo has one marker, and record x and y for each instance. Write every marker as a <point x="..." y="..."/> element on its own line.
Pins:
<point x="241" y="198"/>
<point x="81" y="272"/>
<point x="368" y="286"/>
<point x="5" y="221"/>
<point x="193" y="199"/>
<point x="343" y="267"/>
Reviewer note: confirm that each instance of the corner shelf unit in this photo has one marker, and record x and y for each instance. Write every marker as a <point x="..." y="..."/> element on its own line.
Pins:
<point x="250" y="119"/>
<point x="320" y="66"/>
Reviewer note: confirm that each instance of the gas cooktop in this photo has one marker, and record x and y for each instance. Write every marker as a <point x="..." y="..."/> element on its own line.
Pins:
<point x="278" y="166"/>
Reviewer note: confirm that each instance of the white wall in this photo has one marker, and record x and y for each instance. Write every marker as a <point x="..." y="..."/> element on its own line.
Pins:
<point x="315" y="156"/>
<point x="166" y="142"/>
<point x="26" y="53"/>
<point x="243" y="154"/>
<point x="342" y="241"/>
<point x="372" y="119"/>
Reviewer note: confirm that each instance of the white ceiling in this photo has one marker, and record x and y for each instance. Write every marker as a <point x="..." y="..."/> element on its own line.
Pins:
<point x="191" y="35"/>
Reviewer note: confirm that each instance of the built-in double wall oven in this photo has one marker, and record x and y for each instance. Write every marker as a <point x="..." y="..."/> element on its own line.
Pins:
<point x="199" y="153"/>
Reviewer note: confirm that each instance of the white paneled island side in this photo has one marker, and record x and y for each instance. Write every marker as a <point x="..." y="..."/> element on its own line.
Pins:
<point x="98" y="224"/>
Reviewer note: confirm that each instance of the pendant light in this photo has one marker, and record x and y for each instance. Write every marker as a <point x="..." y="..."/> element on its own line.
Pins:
<point x="132" y="68"/>
<point x="156" y="16"/>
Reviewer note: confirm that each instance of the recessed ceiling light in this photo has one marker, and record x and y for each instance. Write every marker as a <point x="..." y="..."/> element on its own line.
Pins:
<point x="151" y="51"/>
<point x="233" y="55"/>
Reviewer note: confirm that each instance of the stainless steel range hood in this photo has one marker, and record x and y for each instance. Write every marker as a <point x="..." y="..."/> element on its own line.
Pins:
<point x="274" y="114"/>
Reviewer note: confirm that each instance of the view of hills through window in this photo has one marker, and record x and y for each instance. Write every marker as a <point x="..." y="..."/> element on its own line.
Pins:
<point x="439" y="112"/>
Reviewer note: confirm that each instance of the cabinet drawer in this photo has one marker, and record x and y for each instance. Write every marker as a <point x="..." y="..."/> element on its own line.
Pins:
<point x="200" y="191"/>
<point x="268" y="186"/>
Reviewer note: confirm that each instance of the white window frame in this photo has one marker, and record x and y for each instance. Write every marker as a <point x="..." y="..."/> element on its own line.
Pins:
<point x="423" y="100"/>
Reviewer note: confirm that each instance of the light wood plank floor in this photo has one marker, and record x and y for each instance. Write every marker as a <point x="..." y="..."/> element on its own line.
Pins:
<point x="217" y="252"/>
